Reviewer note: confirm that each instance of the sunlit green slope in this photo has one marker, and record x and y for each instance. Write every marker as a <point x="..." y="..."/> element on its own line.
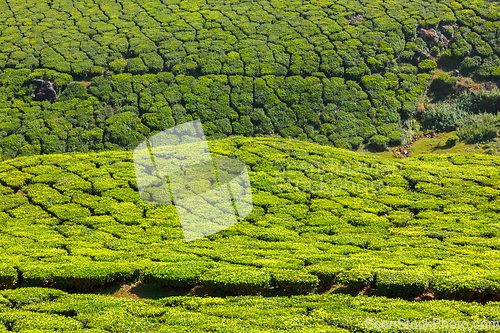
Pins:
<point x="322" y="216"/>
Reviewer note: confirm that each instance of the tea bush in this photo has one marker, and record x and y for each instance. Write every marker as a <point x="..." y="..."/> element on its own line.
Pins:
<point x="236" y="280"/>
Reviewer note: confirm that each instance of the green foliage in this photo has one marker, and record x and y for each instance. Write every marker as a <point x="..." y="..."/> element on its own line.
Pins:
<point x="322" y="217"/>
<point x="403" y="283"/>
<point x="74" y="90"/>
<point x="8" y="276"/>
<point x="177" y="274"/>
<point x="326" y="272"/>
<point x="236" y="280"/>
<point x="379" y="142"/>
<point x="313" y="313"/>
<point x="338" y="74"/>
<point x="294" y="282"/>
<point x="356" y="278"/>
<point x="427" y="65"/>
<point x="286" y="75"/>
<point x="125" y="129"/>
<point x="452" y="140"/>
<point x="479" y="128"/>
<point x="444" y="117"/>
<point x="483" y="101"/>
<point x="443" y="84"/>
<point x="78" y="275"/>
<point x="136" y="66"/>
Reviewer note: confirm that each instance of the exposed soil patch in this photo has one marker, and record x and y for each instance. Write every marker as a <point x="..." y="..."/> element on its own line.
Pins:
<point x="424" y="297"/>
<point x="404" y="151"/>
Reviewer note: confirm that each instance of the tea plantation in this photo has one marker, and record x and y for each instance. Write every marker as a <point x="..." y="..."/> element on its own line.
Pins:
<point x="336" y="240"/>
<point x="343" y="73"/>
<point x="321" y="216"/>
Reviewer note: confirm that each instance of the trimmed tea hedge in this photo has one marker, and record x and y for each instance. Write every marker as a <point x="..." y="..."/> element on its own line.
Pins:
<point x="236" y="280"/>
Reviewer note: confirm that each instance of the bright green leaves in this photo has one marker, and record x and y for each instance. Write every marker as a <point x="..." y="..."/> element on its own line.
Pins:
<point x="236" y="280"/>
<point x="46" y="196"/>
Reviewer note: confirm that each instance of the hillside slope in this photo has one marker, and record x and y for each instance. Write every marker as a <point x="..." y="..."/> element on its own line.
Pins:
<point x="338" y="72"/>
<point x="322" y="217"/>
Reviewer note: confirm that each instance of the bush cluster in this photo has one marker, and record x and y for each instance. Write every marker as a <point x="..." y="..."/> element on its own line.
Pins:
<point x="474" y="115"/>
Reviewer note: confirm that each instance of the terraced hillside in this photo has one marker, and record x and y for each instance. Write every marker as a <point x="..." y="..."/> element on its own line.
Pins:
<point x="322" y="218"/>
<point x="343" y="73"/>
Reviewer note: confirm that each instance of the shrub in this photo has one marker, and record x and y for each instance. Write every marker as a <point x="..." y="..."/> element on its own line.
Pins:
<point x="74" y="90"/>
<point x="479" y="128"/>
<point x="395" y="137"/>
<point x="355" y="142"/>
<point x="118" y="65"/>
<point x="136" y="66"/>
<point x="442" y="117"/>
<point x="427" y="65"/>
<point x="31" y="295"/>
<point x="275" y="234"/>
<point x="159" y="121"/>
<point x="8" y="276"/>
<point x="469" y="65"/>
<point x="379" y="142"/>
<point x="236" y="280"/>
<point x="71" y="211"/>
<point x="45" y="195"/>
<point x="15" y="178"/>
<point x="11" y="145"/>
<point x="443" y="84"/>
<point x="356" y="278"/>
<point x="326" y="272"/>
<point x="125" y="129"/>
<point x="152" y="61"/>
<point x="403" y="283"/>
<point x="79" y="275"/>
<point x="452" y="140"/>
<point x="483" y="101"/>
<point x="293" y="282"/>
<point x="468" y="287"/>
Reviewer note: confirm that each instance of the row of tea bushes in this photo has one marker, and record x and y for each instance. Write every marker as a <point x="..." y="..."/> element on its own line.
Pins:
<point x="84" y="275"/>
<point x="49" y="310"/>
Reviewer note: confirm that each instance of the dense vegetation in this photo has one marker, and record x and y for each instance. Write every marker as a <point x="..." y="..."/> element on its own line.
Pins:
<point x="334" y="72"/>
<point x="345" y="73"/>
<point x="322" y="216"/>
<point x="37" y="310"/>
<point x="473" y="115"/>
